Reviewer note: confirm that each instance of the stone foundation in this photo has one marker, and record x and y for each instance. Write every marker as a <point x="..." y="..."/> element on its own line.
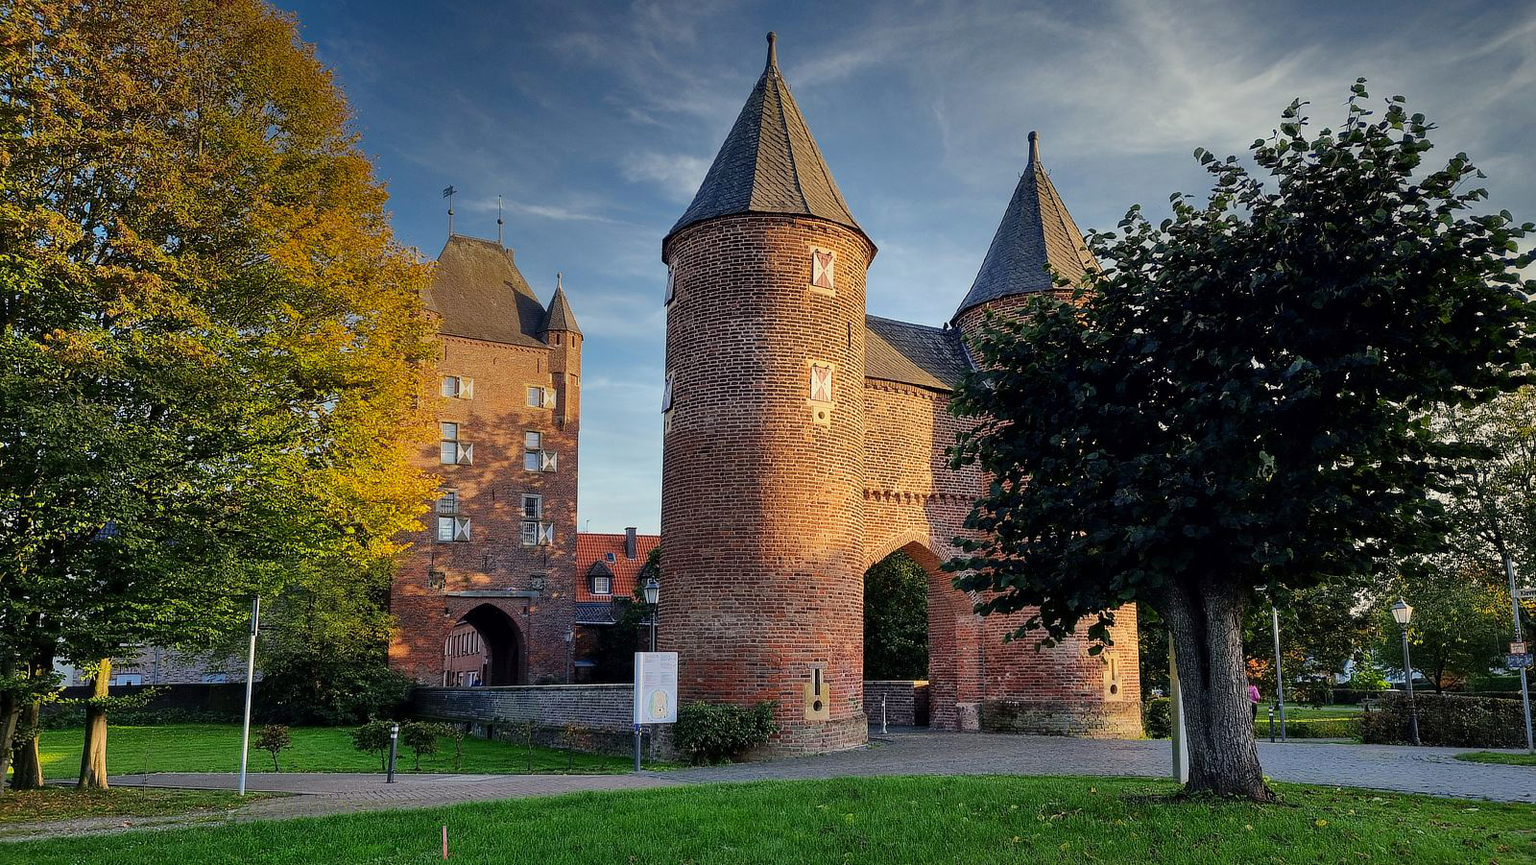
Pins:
<point x="1114" y="720"/>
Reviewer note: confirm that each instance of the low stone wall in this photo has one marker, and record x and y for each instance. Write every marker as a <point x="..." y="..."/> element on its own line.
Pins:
<point x="906" y="702"/>
<point x="1113" y="720"/>
<point x="603" y="712"/>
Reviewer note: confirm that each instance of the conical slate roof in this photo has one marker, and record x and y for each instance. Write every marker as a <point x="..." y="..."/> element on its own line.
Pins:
<point x="769" y="163"/>
<point x="560" y="316"/>
<point x="1036" y="231"/>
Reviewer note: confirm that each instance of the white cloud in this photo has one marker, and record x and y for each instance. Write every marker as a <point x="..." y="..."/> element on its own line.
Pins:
<point x="678" y="175"/>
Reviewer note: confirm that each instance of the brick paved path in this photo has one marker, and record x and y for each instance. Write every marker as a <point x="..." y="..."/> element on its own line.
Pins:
<point x="920" y="752"/>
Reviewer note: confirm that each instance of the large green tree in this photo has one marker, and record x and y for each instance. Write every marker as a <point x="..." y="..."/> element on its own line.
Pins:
<point x="1236" y="403"/>
<point x="1460" y="618"/>
<point x="210" y="338"/>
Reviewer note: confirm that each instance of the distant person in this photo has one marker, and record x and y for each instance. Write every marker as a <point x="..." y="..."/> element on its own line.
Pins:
<point x="1253" y="700"/>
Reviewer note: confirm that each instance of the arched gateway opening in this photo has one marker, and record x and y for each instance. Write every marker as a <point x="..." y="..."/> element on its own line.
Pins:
<point x="485" y="647"/>
<point x="916" y="636"/>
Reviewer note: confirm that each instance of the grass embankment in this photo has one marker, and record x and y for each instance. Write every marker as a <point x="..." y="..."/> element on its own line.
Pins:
<point x="1497" y="757"/>
<point x="66" y="803"/>
<point x="216" y="748"/>
<point x="879" y="820"/>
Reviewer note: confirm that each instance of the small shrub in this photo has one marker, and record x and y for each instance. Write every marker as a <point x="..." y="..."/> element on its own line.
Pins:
<point x="1157" y="717"/>
<point x="574" y="739"/>
<point x="373" y="738"/>
<point x="421" y="738"/>
<point x="526" y="732"/>
<point x="272" y="739"/>
<point x="455" y="732"/>
<point x="1448" y="720"/>
<point x="1367" y="678"/>
<point x="711" y="733"/>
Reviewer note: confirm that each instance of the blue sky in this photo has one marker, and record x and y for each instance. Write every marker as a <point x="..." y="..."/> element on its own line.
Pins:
<point x="596" y="123"/>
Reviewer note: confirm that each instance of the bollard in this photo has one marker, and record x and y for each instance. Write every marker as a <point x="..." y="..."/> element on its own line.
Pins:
<point x="1271" y="711"/>
<point x="394" y="737"/>
<point x="637" y="747"/>
<point x="882" y="714"/>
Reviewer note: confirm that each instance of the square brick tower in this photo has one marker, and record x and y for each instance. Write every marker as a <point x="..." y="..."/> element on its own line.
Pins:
<point x="498" y="552"/>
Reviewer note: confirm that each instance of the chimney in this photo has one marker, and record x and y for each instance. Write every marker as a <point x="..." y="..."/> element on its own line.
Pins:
<point x="630" y="549"/>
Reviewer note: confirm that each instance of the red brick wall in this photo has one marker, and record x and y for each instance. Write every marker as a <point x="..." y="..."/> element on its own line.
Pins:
<point x="762" y="513"/>
<point x="494" y="562"/>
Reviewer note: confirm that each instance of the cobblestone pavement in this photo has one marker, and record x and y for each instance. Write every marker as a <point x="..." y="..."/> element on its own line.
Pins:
<point x="915" y="751"/>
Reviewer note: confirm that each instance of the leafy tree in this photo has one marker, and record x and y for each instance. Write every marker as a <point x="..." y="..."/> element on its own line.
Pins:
<point x="1236" y="402"/>
<point x="421" y="738"/>
<point x="1458" y="629"/>
<point x="274" y="739"/>
<point x="209" y="339"/>
<point x="1322" y="629"/>
<point x="372" y="737"/>
<point x="896" y="619"/>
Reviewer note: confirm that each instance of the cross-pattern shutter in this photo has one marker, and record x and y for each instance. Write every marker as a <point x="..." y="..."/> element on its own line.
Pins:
<point x="666" y="393"/>
<point x="461" y="529"/>
<point x="549" y="397"/>
<point x="466" y="454"/>
<point x="549" y="461"/>
<point x="546" y="534"/>
<point x="466" y="388"/>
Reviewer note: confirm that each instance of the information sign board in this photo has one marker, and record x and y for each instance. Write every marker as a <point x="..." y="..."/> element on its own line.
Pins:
<point x="655" y="687"/>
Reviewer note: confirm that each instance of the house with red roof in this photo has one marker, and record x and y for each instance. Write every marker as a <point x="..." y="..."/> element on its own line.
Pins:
<point x="607" y="571"/>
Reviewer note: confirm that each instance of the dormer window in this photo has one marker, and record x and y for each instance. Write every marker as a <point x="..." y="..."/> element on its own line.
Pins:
<point x="600" y="580"/>
<point x="609" y="558"/>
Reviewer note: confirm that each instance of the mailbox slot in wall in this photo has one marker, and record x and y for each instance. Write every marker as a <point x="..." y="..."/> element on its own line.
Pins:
<point x="818" y="696"/>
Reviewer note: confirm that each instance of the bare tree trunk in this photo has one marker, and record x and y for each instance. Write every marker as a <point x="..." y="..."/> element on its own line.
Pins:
<point x="93" y="758"/>
<point x="27" y="770"/>
<point x="1205" y="622"/>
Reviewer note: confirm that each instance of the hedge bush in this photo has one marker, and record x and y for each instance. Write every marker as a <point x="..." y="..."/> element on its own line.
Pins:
<point x="1447" y="719"/>
<point x="1156" y="720"/>
<point x="711" y="733"/>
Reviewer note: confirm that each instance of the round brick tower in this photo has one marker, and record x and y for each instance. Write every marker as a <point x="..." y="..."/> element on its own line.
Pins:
<point x="762" y="508"/>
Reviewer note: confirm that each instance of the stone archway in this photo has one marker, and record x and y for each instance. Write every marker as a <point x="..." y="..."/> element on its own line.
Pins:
<point x="505" y="650"/>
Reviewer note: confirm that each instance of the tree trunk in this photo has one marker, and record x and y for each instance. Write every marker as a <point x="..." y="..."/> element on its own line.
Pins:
<point x="10" y="715"/>
<point x="1205" y="622"/>
<point x="93" y="759"/>
<point x="27" y="770"/>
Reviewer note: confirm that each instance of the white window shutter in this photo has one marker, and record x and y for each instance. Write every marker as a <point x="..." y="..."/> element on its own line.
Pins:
<point x="549" y="461"/>
<point x="466" y="388"/>
<point x="666" y="394"/>
<point x="466" y="454"/>
<point x="546" y="533"/>
<point x="461" y="529"/>
<point x="549" y="397"/>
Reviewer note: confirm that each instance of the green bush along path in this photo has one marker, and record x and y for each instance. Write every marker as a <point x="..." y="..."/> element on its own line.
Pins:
<point x="877" y="820"/>
<point x="216" y="748"/>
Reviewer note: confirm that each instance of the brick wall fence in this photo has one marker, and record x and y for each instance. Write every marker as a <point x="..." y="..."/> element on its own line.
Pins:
<point x="602" y="711"/>
<point x="906" y="702"/>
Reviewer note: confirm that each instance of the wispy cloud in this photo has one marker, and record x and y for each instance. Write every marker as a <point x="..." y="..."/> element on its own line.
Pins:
<point x="677" y="175"/>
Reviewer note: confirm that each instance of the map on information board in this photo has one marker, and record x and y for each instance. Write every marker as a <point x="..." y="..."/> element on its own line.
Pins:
<point x="655" y="687"/>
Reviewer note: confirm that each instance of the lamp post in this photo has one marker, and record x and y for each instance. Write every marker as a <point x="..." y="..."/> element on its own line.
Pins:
<point x="652" y="590"/>
<point x="1403" y="614"/>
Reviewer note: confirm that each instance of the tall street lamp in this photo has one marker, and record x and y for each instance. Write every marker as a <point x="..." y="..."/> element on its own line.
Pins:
<point x="652" y="590"/>
<point x="1402" y="614"/>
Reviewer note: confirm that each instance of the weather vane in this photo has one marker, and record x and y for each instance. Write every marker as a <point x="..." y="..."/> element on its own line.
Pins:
<point x="448" y="193"/>
<point x="498" y="222"/>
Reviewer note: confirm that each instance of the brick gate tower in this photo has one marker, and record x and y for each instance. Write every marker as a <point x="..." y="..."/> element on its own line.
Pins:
<point x="762" y="468"/>
<point x="805" y="441"/>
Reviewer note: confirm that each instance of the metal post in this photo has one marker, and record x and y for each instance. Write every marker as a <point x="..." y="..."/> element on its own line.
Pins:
<point x="1274" y="622"/>
<point x="882" y="714"/>
<point x="1525" y="690"/>
<point x="394" y="738"/>
<point x="1176" y="720"/>
<point x="1413" y="710"/>
<point x="653" y="630"/>
<point x="250" y="675"/>
<point x="637" y="747"/>
<point x="1271" y="723"/>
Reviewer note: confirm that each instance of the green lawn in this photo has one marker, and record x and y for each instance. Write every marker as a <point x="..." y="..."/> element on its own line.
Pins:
<point x="67" y="803"/>
<point x="1308" y="722"/>
<point x="877" y="820"/>
<point x="216" y="748"/>
<point x="1496" y="757"/>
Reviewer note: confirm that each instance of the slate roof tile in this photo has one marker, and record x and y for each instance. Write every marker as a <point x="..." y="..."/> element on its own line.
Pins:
<point x="916" y="354"/>
<point x="478" y="293"/>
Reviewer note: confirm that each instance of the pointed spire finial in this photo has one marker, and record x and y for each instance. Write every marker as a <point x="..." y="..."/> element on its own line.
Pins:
<point x="1034" y="147"/>
<point x="559" y="281"/>
<point x="498" y="222"/>
<point x="773" y="56"/>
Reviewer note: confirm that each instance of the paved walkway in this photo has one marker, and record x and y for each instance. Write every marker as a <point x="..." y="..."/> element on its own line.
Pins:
<point x="916" y="751"/>
<point x="910" y="751"/>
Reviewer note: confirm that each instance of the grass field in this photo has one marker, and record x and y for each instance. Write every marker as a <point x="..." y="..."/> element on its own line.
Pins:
<point x="1307" y="722"/>
<point x="1496" y="757"/>
<point x="216" y="748"/>
<point x="877" y="820"/>
<point x="67" y="803"/>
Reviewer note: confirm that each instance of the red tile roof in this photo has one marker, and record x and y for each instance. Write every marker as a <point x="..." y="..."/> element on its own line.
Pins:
<point x="590" y="549"/>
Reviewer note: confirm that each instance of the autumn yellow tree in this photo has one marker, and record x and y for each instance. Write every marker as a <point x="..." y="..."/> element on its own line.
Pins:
<point x="211" y="338"/>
